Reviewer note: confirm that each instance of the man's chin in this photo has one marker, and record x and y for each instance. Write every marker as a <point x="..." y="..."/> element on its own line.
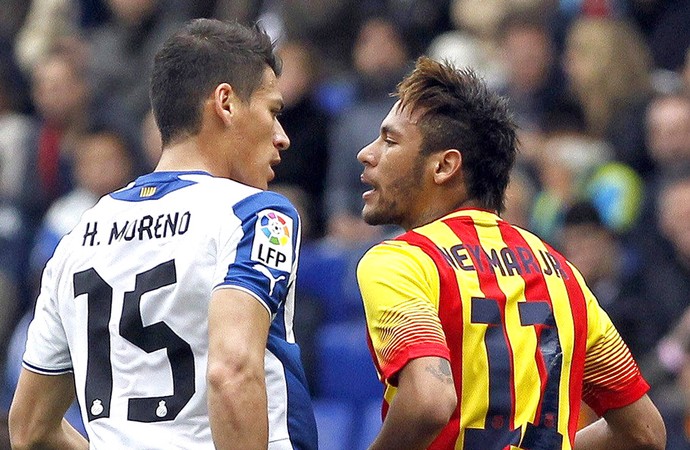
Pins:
<point x="373" y="217"/>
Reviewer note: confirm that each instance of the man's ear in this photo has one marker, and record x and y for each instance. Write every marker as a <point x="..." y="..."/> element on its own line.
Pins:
<point x="447" y="166"/>
<point x="224" y="102"/>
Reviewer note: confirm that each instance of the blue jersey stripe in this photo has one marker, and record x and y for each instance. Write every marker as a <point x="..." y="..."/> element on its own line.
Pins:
<point x="155" y="185"/>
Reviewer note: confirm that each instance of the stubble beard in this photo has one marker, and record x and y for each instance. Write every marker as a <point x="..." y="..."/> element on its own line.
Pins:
<point x="384" y="213"/>
<point x="392" y="208"/>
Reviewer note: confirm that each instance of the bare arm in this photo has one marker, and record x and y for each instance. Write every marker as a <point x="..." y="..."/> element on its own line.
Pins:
<point x="238" y="330"/>
<point x="423" y="405"/>
<point x="36" y="416"/>
<point x="636" y="426"/>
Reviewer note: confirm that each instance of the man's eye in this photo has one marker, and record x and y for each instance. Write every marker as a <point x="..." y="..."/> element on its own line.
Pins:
<point x="389" y="142"/>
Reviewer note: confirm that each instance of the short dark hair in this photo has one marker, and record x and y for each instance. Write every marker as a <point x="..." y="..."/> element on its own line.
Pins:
<point x="458" y="111"/>
<point x="204" y="54"/>
<point x="582" y="213"/>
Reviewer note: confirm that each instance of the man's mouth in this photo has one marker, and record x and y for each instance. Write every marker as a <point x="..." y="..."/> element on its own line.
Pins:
<point x="366" y="181"/>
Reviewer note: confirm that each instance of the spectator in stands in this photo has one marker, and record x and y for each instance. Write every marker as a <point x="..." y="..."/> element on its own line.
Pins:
<point x="98" y="148"/>
<point x="667" y="270"/>
<point x="380" y="59"/>
<point x="61" y="96"/>
<point x="667" y="131"/>
<point x="121" y="53"/>
<point x="666" y="24"/>
<point x="608" y="67"/>
<point x="667" y="282"/>
<point x="330" y="24"/>
<point x="47" y="23"/>
<point x="16" y="130"/>
<point x="420" y="21"/>
<point x="577" y="167"/>
<point x="307" y="125"/>
<point x="533" y="80"/>
<point x="612" y="271"/>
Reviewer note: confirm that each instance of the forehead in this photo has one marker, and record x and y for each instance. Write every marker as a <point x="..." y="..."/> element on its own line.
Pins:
<point x="400" y="120"/>
<point x="268" y="89"/>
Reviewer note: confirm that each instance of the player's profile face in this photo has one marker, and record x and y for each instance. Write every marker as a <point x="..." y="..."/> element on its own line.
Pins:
<point x="394" y="168"/>
<point x="259" y="135"/>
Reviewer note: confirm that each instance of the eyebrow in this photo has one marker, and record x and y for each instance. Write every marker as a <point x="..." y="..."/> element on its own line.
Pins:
<point x="387" y="129"/>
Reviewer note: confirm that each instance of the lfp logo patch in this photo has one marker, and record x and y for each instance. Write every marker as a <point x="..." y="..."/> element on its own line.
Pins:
<point x="275" y="229"/>
<point x="272" y="244"/>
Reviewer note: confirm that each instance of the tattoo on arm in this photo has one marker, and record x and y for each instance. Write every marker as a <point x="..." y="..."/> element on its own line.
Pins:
<point x="441" y="371"/>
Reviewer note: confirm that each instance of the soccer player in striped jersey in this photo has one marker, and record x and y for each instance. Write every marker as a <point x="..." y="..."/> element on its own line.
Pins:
<point x="169" y="306"/>
<point x="485" y="337"/>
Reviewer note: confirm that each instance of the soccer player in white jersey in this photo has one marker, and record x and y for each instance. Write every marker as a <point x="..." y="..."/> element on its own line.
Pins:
<point x="169" y="308"/>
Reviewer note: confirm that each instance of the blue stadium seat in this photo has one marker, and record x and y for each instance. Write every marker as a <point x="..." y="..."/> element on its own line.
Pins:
<point x="327" y="272"/>
<point x="368" y="425"/>
<point x="345" y="370"/>
<point x="334" y="420"/>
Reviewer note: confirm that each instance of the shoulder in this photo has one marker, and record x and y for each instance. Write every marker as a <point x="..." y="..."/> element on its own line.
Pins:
<point x="394" y="256"/>
<point x="262" y="203"/>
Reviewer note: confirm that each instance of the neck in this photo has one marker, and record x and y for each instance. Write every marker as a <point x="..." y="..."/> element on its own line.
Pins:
<point x="187" y="155"/>
<point x="434" y="210"/>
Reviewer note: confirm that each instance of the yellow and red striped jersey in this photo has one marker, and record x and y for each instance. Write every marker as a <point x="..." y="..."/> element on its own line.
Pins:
<point x="525" y="337"/>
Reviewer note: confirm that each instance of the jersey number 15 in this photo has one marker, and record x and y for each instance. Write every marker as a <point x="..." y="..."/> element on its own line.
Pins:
<point x="150" y="338"/>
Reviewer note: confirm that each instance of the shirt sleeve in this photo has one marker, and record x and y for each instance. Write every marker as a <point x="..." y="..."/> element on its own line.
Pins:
<point x="260" y="257"/>
<point x="400" y="291"/>
<point x="611" y="377"/>
<point x="47" y="351"/>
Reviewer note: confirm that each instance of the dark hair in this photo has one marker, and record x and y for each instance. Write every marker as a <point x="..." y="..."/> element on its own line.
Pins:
<point x="204" y="54"/>
<point x="458" y="111"/>
<point x="582" y="213"/>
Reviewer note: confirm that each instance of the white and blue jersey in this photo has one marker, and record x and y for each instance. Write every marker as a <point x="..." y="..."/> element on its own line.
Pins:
<point x="124" y="305"/>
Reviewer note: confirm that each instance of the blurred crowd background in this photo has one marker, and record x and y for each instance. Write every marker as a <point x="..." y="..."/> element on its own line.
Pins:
<point x="599" y="89"/>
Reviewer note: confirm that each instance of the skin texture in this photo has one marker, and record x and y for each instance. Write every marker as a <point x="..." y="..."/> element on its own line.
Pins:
<point x="36" y="421"/>
<point x="241" y="141"/>
<point x="638" y="426"/>
<point x="259" y="135"/>
<point x="238" y="329"/>
<point x="238" y="140"/>
<point x="422" y="406"/>
<point x="408" y="189"/>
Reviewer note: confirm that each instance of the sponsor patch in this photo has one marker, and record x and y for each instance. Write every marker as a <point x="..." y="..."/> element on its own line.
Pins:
<point x="272" y="244"/>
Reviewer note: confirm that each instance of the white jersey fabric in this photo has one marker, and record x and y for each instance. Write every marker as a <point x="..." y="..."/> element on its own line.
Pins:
<point x="124" y="305"/>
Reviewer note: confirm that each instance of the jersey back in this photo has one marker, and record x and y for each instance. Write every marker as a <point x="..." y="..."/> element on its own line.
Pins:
<point x="124" y="305"/>
<point x="525" y="337"/>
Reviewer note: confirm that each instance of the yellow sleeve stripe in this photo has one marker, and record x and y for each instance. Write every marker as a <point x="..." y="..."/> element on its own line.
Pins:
<point x="609" y="364"/>
<point x="413" y="322"/>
